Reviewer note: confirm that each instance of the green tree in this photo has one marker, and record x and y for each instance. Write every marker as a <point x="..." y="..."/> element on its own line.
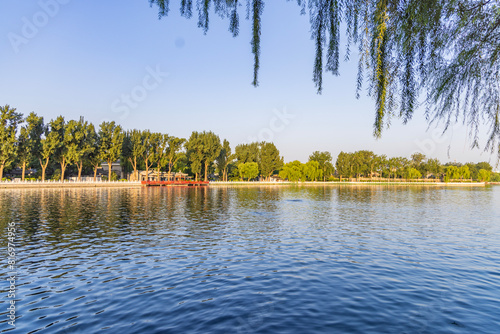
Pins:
<point x="325" y="162"/>
<point x="312" y="170"/>
<point x="58" y="128"/>
<point x="149" y="150"/>
<point x="110" y="143"/>
<point x="78" y="139"/>
<point x="211" y="148"/>
<point x="160" y="152"/>
<point x="248" y="170"/>
<point x="29" y="142"/>
<point x="94" y="156"/>
<point x="292" y="171"/>
<point x="269" y="159"/>
<point x="495" y="177"/>
<point x="195" y="153"/>
<point x="381" y="164"/>
<point x="224" y="159"/>
<point x="417" y="159"/>
<point x="344" y="165"/>
<point x="484" y="175"/>
<point x="434" y="167"/>
<point x="173" y="152"/>
<point x="484" y="165"/>
<point x="452" y="173"/>
<point x="413" y="173"/>
<point x="463" y="172"/>
<point x="247" y="153"/>
<point x="50" y="143"/>
<point x="9" y="120"/>
<point x="133" y="149"/>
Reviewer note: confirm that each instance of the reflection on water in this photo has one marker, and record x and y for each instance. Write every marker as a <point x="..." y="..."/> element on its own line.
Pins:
<point x="255" y="259"/>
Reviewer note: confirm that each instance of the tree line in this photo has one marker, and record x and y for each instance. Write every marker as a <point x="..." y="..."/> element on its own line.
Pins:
<point x="60" y="144"/>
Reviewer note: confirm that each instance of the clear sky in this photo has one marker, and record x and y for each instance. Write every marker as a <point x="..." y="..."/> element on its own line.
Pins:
<point x="114" y="60"/>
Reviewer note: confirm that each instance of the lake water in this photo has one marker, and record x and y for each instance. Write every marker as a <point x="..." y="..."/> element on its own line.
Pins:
<point x="335" y="259"/>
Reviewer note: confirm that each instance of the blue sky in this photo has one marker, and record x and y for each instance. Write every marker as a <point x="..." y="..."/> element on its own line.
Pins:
<point x="107" y="61"/>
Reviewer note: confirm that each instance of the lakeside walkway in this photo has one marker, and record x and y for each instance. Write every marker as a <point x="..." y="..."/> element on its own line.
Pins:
<point x="128" y="184"/>
<point x="68" y="184"/>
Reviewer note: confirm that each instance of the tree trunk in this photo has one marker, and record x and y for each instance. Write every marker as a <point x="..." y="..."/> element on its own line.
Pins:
<point x="158" y="174"/>
<point x="196" y="177"/>
<point x="44" y="167"/>
<point x="24" y="171"/>
<point x="134" y="166"/>
<point x="63" y="169"/>
<point x="1" y="171"/>
<point x="169" y="177"/>
<point x="95" y="172"/>
<point x="110" y="164"/>
<point x="147" y="170"/>
<point x="80" y="167"/>
<point x="206" y="171"/>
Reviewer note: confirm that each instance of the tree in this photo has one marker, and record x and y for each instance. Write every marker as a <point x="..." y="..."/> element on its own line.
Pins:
<point x="29" y="142"/>
<point x="413" y="173"/>
<point x="292" y="171"/>
<point x="325" y="162"/>
<point x="344" y="165"/>
<point x="133" y="148"/>
<point x="160" y="144"/>
<point x="50" y="143"/>
<point x="110" y="143"/>
<point x="417" y="159"/>
<point x="445" y="49"/>
<point x="173" y="152"/>
<point x="248" y="170"/>
<point x="94" y="156"/>
<point x="79" y="140"/>
<point x="247" y="152"/>
<point x="464" y="172"/>
<point x="452" y="173"/>
<point x="484" y="175"/>
<point x="195" y="153"/>
<point x="149" y="150"/>
<point x="211" y="148"/>
<point x="484" y="165"/>
<point x="495" y="177"/>
<point x="434" y="166"/>
<point x="9" y="120"/>
<point x="58" y="128"/>
<point x="312" y="170"/>
<point x="269" y="159"/>
<point x="224" y="159"/>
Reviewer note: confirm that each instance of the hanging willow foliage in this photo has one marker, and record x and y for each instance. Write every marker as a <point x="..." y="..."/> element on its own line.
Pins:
<point x="448" y="49"/>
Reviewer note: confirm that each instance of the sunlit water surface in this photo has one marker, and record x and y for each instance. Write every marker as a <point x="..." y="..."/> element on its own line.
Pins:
<point x="255" y="260"/>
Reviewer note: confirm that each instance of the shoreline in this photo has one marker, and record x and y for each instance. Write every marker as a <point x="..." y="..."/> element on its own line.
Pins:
<point x="333" y="183"/>
<point x="59" y="185"/>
